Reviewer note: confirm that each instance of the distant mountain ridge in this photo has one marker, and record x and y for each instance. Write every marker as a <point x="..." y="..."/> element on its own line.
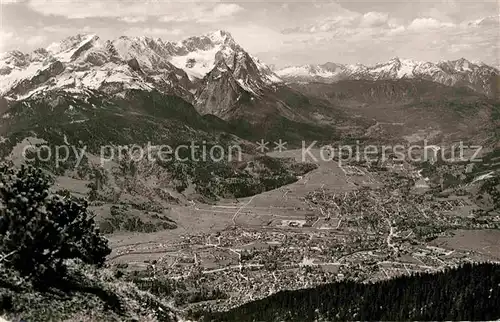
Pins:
<point x="462" y="72"/>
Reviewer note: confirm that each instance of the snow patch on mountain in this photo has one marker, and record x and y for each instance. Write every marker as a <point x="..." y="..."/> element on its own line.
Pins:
<point x="17" y="74"/>
<point x="65" y="54"/>
<point x="196" y="63"/>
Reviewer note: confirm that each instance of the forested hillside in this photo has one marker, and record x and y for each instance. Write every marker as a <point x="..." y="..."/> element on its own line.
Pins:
<point x="470" y="292"/>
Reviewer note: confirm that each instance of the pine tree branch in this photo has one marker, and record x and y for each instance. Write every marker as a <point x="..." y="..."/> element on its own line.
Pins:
<point x="4" y="257"/>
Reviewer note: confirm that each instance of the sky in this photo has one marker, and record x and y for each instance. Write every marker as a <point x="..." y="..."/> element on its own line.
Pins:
<point x="281" y="33"/>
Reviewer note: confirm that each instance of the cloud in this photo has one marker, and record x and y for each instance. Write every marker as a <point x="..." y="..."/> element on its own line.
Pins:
<point x="11" y="1"/>
<point x="349" y="39"/>
<point x="420" y="24"/>
<point x="257" y="39"/>
<point x="35" y="40"/>
<point x="321" y="17"/>
<point x="133" y="11"/>
<point x="455" y="48"/>
<point x="5" y="37"/>
<point x="79" y="9"/>
<point x="348" y="23"/>
<point x="396" y="31"/>
<point x="490" y="21"/>
<point x="203" y="13"/>
<point x="225" y="10"/>
<point x="153" y="32"/>
<point x="135" y="19"/>
<point x="9" y="37"/>
<point x="329" y="24"/>
<point x="374" y="19"/>
<point x="374" y="23"/>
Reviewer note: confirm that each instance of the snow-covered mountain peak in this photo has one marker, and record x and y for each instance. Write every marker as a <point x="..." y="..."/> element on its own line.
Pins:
<point x="221" y="37"/>
<point x="148" y="52"/>
<point x="394" y="68"/>
<point x="70" y="47"/>
<point x="13" y="59"/>
<point x="463" y="64"/>
<point x="209" y="41"/>
<point x="460" y="65"/>
<point x="69" y="42"/>
<point x="84" y="62"/>
<point x="198" y="55"/>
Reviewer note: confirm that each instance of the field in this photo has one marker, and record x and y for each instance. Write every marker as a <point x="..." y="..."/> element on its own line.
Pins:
<point x="473" y="241"/>
<point x="265" y="210"/>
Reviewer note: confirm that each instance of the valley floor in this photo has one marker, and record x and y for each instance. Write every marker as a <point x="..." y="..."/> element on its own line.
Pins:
<point x="239" y="251"/>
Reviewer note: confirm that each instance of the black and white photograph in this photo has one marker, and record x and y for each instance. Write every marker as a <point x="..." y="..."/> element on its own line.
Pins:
<point x="249" y="161"/>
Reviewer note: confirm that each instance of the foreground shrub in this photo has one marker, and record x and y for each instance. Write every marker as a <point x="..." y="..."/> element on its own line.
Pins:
<point x="39" y="231"/>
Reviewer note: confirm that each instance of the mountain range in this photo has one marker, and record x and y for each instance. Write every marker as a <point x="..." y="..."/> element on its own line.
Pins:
<point x="477" y="76"/>
<point x="93" y="95"/>
<point x="84" y="63"/>
<point x="214" y="75"/>
<point x="197" y="67"/>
